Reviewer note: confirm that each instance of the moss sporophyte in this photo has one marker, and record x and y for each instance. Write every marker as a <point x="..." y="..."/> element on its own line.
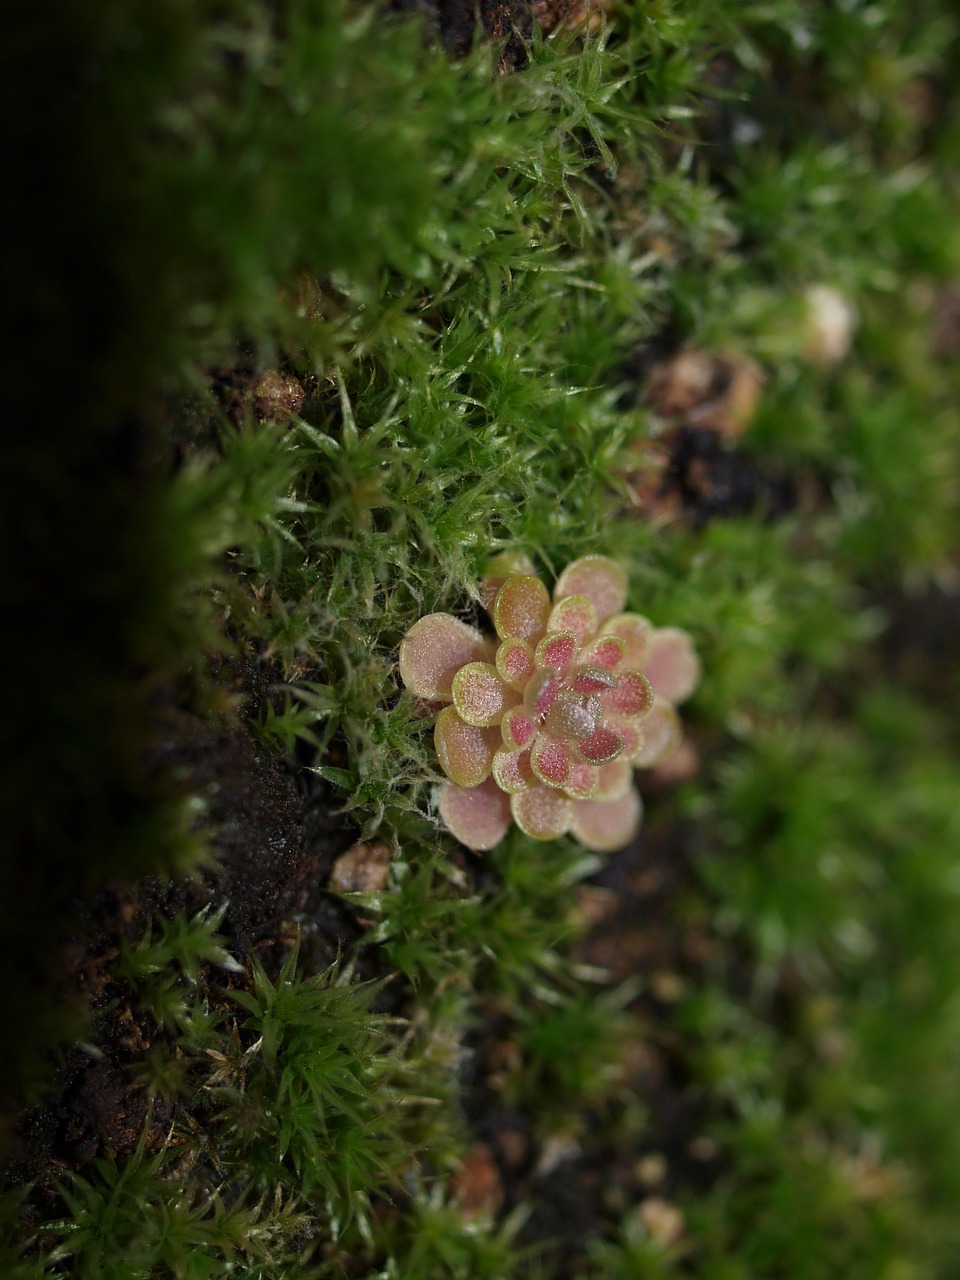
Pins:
<point x="544" y="725"/>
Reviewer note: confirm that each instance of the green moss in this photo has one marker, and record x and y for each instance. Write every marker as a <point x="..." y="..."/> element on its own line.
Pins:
<point x="470" y="275"/>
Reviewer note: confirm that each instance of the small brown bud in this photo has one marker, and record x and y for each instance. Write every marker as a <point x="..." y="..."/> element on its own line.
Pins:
<point x="707" y="389"/>
<point x="476" y="1188"/>
<point x="828" y="325"/>
<point x="277" y="396"/>
<point x="662" y="1221"/>
<point x="650" y="1170"/>
<point x="362" y="869"/>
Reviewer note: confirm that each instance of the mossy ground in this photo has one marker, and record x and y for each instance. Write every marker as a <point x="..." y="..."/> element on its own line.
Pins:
<point x="315" y="315"/>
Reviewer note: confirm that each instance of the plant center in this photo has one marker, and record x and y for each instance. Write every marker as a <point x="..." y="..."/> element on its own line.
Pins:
<point x="569" y="706"/>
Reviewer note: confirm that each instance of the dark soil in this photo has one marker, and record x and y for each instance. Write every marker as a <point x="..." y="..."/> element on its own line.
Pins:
<point x="277" y="835"/>
<point x="459" y="23"/>
<point x="920" y="645"/>
<point x="714" y="480"/>
<point x="694" y="467"/>
<point x="576" y="1196"/>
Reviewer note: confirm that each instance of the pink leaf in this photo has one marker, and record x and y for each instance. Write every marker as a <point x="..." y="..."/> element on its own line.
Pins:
<point x="556" y="650"/>
<point x="635" y="632"/>
<point x="515" y="663"/>
<point x="465" y="751"/>
<point x="477" y="816"/>
<point x="504" y="565"/>
<point x="433" y="651"/>
<point x="550" y="759"/>
<point x="599" y="578"/>
<point x="631" y="731"/>
<point x="607" y="652"/>
<point x="512" y="771"/>
<point x="576" y="614"/>
<point x="542" y="813"/>
<point x="607" y="825"/>
<point x="479" y="694"/>
<point x="632" y="697"/>
<point x="517" y="728"/>
<point x="600" y="747"/>
<point x="672" y="665"/>
<point x="541" y="693"/>
<point x="592" y="680"/>
<point x="660" y="735"/>
<point x="584" y="780"/>
<point x="521" y="608"/>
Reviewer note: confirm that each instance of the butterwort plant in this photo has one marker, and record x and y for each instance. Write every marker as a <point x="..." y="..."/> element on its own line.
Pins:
<point x="544" y="724"/>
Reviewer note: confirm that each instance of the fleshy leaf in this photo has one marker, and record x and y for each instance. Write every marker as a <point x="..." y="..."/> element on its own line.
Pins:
<point x="465" y="751"/>
<point x="434" y="650"/>
<point x="521" y="609"/>
<point x="600" y="747"/>
<point x="584" y="780"/>
<point x="550" y="760"/>
<point x="573" y="715"/>
<point x="599" y="578"/>
<point x="672" y="665"/>
<point x="515" y="663"/>
<point x="632" y="733"/>
<point x="592" y="680"/>
<point x="512" y="771"/>
<point x="477" y="816"/>
<point x="479" y="694"/>
<point x="607" y="825"/>
<point x="608" y="652"/>
<point x="541" y="693"/>
<point x="518" y="728"/>
<point x="661" y="735"/>
<point x="576" y="614"/>
<point x="556" y="650"/>
<point x="543" y="813"/>
<point x="615" y="779"/>
<point x="507" y="564"/>
<point x="632" y="698"/>
<point x="635" y="632"/>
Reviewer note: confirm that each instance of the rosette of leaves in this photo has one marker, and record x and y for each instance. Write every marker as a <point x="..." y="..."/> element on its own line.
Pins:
<point x="544" y="724"/>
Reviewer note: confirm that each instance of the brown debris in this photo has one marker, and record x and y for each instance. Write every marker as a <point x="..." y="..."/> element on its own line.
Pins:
<point x="476" y="1188"/>
<point x="592" y="905"/>
<point x="830" y="321"/>
<point x="707" y="389"/>
<point x="945" y="335"/>
<point x="667" y="986"/>
<point x="364" y="868"/>
<point x="108" y="1115"/>
<point x="704" y="402"/>
<point x="551" y="14"/>
<point x="277" y="396"/>
<point x="692" y="468"/>
<point x="509" y="22"/>
<point x="703" y="1147"/>
<point x="557" y="1150"/>
<point x="514" y="1148"/>
<point x="662" y="1221"/>
<point x="871" y="1179"/>
<point x="648" y="477"/>
<point x="651" y="1169"/>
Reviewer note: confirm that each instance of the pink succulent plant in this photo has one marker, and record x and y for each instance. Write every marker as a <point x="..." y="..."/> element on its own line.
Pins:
<point x="545" y="724"/>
